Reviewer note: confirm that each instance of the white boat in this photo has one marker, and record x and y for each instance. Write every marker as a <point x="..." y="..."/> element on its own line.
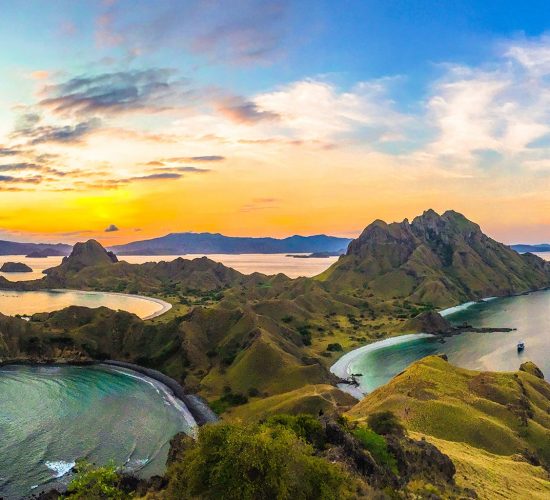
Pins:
<point x="521" y="346"/>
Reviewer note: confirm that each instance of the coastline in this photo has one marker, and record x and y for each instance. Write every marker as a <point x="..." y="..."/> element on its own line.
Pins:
<point x="342" y="366"/>
<point x="197" y="406"/>
<point x="165" y="306"/>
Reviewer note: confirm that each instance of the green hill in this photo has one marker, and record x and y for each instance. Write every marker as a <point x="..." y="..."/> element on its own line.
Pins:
<point x="436" y="259"/>
<point x="485" y="421"/>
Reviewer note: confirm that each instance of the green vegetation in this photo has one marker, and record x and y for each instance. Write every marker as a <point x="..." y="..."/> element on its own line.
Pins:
<point x="227" y="400"/>
<point x="252" y="462"/>
<point x="304" y="426"/>
<point x="377" y="446"/>
<point x="385" y="422"/>
<point x="96" y="483"/>
<point x="257" y="346"/>
<point x="504" y="416"/>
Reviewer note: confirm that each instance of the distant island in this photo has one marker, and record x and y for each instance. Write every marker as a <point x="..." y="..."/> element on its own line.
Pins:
<point x="15" y="267"/>
<point x="542" y="247"/>
<point x="318" y="255"/>
<point x="16" y="248"/>
<point x="46" y="252"/>
<point x="214" y="243"/>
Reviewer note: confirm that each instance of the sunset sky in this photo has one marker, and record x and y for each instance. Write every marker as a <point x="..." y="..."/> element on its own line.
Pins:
<point x="123" y="120"/>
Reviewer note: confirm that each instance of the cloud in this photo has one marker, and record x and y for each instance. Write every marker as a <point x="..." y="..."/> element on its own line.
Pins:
<point x="111" y="229"/>
<point x="241" y="111"/>
<point x="58" y="133"/>
<point x="9" y="151"/>
<point x="190" y="159"/>
<point x="257" y="204"/>
<point x="187" y="169"/>
<point x="153" y="90"/>
<point x="493" y="114"/>
<point x="153" y="177"/>
<point x="251" y="32"/>
<point x="204" y="158"/>
<point x="317" y="110"/>
<point x="40" y="75"/>
<point x="23" y="180"/>
<point x="7" y="167"/>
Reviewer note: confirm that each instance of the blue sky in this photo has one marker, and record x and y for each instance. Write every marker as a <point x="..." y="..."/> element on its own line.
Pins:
<point x="426" y="103"/>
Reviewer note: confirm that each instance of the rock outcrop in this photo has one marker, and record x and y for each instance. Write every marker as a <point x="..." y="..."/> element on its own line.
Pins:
<point x="532" y="368"/>
<point x="428" y="322"/>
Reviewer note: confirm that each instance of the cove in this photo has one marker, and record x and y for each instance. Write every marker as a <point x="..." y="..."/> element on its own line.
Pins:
<point x="26" y="303"/>
<point x="528" y="314"/>
<point x="52" y="415"/>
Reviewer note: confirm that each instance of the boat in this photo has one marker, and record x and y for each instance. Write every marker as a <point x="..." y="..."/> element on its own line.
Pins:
<point x="521" y="346"/>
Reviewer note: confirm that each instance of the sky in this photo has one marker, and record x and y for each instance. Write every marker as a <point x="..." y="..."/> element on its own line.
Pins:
<point x="129" y="119"/>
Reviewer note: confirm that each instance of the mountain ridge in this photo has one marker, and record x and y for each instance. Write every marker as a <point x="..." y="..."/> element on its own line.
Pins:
<point x="17" y="248"/>
<point x="205" y="243"/>
<point x="435" y="259"/>
<point x="538" y="248"/>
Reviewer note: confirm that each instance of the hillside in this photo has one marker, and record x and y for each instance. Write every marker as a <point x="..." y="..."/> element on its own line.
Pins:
<point x="440" y="260"/>
<point x="209" y="243"/>
<point x="487" y="422"/>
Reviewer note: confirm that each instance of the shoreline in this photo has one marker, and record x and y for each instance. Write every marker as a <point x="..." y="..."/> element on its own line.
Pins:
<point x="341" y="368"/>
<point x="165" y="306"/>
<point x="197" y="406"/>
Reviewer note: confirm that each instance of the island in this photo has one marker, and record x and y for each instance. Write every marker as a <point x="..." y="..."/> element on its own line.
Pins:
<point x="317" y="255"/>
<point x="45" y="252"/>
<point x="15" y="267"/>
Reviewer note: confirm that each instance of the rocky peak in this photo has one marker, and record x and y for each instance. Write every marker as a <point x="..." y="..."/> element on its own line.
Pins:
<point x="380" y="233"/>
<point x="89" y="253"/>
<point x="432" y="225"/>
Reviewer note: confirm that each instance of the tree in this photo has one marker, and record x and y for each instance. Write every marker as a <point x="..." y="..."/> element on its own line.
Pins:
<point x="252" y="462"/>
<point x="95" y="483"/>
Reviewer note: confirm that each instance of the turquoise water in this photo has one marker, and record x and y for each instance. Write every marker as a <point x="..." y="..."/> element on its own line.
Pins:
<point x="529" y="314"/>
<point x="51" y="416"/>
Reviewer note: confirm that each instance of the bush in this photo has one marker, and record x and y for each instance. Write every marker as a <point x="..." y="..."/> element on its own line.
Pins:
<point x="385" y="422"/>
<point x="257" y="462"/>
<point x="334" y="347"/>
<point x="95" y="483"/>
<point x="304" y="426"/>
<point x="377" y="446"/>
<point x="228" y="400"/>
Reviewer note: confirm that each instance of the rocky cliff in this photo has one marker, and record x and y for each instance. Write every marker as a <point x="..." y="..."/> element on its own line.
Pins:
<point x="436" y="259"/>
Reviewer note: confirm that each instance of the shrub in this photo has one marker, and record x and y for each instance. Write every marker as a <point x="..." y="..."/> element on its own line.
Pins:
<point x="304" y="426"/>
<point x="257" y="462"/>
<point x="377" y="446"/>
<point x="228" y="400"/>
<point x="334" y="347"/>
<point x="253" y="392"/>
<point x="385" y="422"/>
<point x="95" y="483"/>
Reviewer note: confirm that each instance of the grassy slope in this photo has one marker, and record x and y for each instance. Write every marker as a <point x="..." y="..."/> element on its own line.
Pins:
<point x="484" y="421"/>
<point x="308" y="399"/>
<point x="493" y="476"/>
